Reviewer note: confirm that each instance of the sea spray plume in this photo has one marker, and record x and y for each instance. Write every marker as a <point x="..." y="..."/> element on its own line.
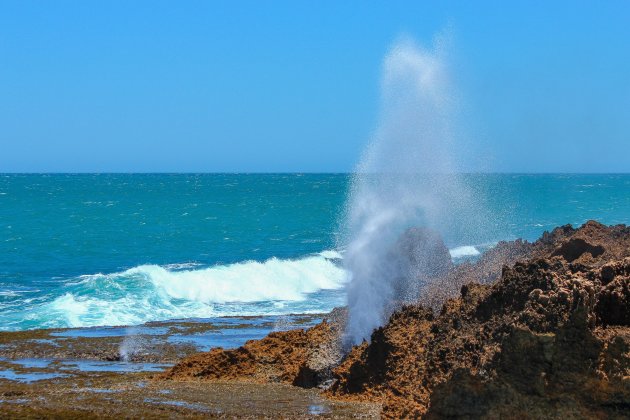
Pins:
<point x="131" y="345"/>
<point x="406" y="177"/>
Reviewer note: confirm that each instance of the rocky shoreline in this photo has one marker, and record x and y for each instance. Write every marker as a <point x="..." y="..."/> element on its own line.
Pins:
<point x="84" y="373"/>
<point x="539" y="330"/>
<point x="530" y="330"/>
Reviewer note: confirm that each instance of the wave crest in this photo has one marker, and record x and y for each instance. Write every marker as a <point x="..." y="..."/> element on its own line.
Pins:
<point x="154" y="293"/>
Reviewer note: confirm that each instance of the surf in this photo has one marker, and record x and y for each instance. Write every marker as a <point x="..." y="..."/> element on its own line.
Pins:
<point x="155" y="293"/>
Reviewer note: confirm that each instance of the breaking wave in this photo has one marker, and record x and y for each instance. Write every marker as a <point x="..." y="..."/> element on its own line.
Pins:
<point x="153" y="293"/>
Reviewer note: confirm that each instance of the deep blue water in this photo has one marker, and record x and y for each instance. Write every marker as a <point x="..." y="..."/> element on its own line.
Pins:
<point x="86" y="250"/>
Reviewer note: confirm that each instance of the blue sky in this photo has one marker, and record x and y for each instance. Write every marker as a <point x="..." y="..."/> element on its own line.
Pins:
<point x="223" y="86"/>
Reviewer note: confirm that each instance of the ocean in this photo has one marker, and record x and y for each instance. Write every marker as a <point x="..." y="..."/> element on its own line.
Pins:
<point x="81" y="250"/>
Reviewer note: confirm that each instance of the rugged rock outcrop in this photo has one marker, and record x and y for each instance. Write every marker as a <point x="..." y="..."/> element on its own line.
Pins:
<point x="300" y="357"/>
<point x="549" y="338"/>
<point x="537" y="330"/>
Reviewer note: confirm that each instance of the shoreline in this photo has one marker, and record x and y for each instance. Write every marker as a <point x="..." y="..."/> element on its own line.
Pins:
<point x="536" y="329"/>
<point x="152" y="342"/>
<point x="140" y="395"/>
<point x="78" y="372"/>
<point x="530" y="330"/>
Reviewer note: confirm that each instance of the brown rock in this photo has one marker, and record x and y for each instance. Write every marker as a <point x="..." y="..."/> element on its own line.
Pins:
<point x="531" y="330"/>
<point x="299" y="357"/>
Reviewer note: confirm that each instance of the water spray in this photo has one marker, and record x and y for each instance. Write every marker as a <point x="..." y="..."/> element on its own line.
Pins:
<point x="408" y="176"/>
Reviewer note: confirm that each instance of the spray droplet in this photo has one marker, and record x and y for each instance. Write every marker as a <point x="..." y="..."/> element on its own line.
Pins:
<point x="407" y="177"/>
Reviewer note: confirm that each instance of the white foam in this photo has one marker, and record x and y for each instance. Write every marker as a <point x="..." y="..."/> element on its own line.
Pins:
<point x="151" y="292"/>
<point x="331" y="255"/>
<point x="464" y="251"/>
<point x="250" y="281"/>
<point x="181" y="266"/>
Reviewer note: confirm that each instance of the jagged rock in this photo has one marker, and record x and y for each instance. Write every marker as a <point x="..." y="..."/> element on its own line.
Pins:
<point x="300" y="357"/>
<point x="538" y="330"/>
<point x="538" y="343"/>
<point x="613" y="307"/>
<point x="573" y="249"/>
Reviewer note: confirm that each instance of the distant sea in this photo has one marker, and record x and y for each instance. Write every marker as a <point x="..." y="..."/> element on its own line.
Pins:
<point x="124" y="249"/>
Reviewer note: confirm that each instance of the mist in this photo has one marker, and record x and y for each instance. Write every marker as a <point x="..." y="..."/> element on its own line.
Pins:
<point x="407" y="176"/>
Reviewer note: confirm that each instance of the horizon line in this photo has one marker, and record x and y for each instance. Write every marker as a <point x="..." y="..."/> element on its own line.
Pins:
<point x="291" y="173"/>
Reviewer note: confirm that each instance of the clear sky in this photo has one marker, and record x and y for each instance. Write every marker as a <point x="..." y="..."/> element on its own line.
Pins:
<point x="273" y="86"/>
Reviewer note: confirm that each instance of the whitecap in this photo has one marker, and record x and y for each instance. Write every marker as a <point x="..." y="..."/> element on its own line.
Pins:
<point x="181" y="266"/>
<point x="156" y="293"/>
<point x="331" y="254"/>
<point x="464" y="251"/>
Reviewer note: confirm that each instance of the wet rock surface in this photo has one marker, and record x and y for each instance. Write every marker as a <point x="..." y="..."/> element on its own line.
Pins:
<point x="80" y="373"/>
<point x="137" y="395"/>
<point x="530" y="330"/>
<point x="153" y="342"/>
<point x="302" y="357"/>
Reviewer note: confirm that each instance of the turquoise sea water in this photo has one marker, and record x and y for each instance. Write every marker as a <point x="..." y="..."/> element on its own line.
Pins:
<point x="87" y="250"/>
